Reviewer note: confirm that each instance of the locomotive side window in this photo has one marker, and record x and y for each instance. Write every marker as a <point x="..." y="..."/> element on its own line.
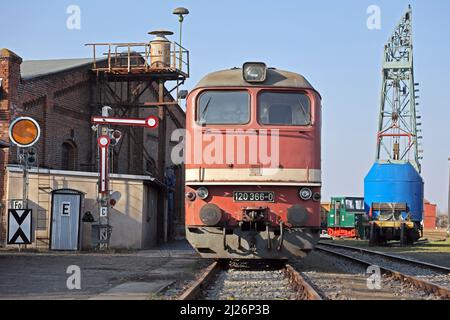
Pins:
<point x="354" y="204"/>
<point x="284" y="108"/>
<point x="224" y="107"/>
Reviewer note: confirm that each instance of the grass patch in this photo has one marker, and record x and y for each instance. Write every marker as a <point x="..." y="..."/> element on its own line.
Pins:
<point x="429" y="247"/>
<point x="155" y="296"/>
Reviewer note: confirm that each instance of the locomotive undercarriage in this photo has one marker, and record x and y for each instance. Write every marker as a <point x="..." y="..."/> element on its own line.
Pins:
<point x="254" y="237"/>
<point x="235" y="243"/>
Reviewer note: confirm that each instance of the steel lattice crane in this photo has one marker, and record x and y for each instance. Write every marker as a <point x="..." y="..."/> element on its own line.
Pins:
<point x="398" y="126"/>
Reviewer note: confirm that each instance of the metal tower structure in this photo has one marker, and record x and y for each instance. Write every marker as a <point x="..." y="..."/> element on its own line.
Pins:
<point x="398" y="126"/>
<point x="127" y="76"/>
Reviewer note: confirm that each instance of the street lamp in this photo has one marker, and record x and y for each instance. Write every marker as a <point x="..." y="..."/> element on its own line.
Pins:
<point x="181" y="12"/>
<point x="448" y="207"/>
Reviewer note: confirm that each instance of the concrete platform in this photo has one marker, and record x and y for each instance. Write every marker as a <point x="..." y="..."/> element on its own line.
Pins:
<point x="134" y="290"/>
<point x="125" y="275"/>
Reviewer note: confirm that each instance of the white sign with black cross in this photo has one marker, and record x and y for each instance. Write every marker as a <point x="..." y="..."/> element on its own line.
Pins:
<point x="19" y="226"/>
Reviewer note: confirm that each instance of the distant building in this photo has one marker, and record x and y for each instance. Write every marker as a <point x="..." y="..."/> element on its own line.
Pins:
<point x="430" y="216"/>
<point x="325" y="208"/>
<point x="62" y="95"/>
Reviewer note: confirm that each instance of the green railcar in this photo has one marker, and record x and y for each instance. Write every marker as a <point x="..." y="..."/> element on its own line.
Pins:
<point x="347" y="218"/>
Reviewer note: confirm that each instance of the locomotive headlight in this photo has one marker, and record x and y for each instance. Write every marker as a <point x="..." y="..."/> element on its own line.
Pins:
<point x="305" y="193"/>
<point x="317" y="196"/>
<point x="202" y="193"/>
<point x="254" y="71"/>
<point x="190" y="196"/>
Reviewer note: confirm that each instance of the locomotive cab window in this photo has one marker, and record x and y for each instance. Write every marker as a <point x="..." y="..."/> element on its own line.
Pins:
<point x="284" y="109"/>
<point x="223" y="107"/>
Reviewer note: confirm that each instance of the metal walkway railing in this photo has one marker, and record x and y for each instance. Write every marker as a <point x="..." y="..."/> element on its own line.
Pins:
<point x="135" y="58"/>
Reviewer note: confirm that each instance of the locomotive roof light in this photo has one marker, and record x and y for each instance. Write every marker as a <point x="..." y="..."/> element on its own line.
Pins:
<point x="202" y="193"/>
<point x="254" y="72"/>
<point x="305" y="194"/>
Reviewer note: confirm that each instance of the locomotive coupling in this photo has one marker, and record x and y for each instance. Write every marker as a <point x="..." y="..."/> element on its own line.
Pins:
<point x="254" y="214"/>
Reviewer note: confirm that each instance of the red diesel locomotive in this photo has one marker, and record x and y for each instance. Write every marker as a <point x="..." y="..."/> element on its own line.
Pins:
<point x="253" y="164"/>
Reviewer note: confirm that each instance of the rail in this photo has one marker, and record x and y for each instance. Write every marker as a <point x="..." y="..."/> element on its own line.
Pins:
<point x="416" y="282"/>
<point x="435" y="267"/>
<point x="304" y="290"/>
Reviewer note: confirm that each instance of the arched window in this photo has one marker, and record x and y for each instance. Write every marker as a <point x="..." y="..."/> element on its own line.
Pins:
<point x="69" y="156"/>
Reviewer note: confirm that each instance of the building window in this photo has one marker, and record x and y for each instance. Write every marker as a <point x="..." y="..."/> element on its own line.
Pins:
<point x="69" y="158"/>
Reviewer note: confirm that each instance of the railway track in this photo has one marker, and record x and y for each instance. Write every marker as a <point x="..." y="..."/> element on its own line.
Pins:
<point x="229" y="280"/>
<point x="424" y="276"/>
<point x="437" y="268"/>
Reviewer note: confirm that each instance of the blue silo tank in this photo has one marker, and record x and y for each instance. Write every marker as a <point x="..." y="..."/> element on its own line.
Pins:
<point x="395" y="183"/>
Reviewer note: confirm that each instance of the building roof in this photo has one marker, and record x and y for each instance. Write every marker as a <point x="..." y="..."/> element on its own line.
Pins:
<point x="6" y="53"/>
<point x="37" y="68"/>
<point x="234" y="78"/>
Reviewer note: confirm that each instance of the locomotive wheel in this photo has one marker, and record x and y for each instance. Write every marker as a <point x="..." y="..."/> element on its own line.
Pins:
<point x="412" y="236"/>
<point x="366" y="233"/>
<point x="403" y="235"/>
<point x="374" y="237"/>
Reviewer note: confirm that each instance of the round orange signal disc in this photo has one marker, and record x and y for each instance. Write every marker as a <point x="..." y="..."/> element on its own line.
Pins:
<point x="24" y="132"/>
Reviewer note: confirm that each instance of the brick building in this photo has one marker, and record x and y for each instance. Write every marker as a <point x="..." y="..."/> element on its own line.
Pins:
<point x="62" y="95"/>
<point x="429" y="215"/>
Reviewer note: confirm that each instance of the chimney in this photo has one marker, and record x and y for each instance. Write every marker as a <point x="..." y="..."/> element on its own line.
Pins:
<point x="9" y="85"/>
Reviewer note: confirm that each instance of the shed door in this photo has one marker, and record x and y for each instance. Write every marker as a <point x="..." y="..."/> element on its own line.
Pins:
<point x="65" y="221"/>
<point x="337" y="212"/>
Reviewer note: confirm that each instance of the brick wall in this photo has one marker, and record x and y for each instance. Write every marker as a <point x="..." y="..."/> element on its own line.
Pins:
<point x="10" y="75"/>
<point x="60" y="103"/>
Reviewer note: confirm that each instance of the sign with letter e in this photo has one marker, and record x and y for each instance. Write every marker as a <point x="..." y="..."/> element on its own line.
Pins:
<point x="65" y="209"/>
<point x="19" y="226"/>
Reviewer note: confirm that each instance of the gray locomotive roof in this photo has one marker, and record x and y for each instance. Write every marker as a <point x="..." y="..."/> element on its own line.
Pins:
<point x="234" y="78"/>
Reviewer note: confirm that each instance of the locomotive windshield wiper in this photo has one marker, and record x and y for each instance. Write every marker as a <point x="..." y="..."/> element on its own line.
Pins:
<point x="303" y="108"/>
<point x="206" y="109"/>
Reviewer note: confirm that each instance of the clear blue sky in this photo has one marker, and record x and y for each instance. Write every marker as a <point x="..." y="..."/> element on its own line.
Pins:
<point x="327" y="41"/>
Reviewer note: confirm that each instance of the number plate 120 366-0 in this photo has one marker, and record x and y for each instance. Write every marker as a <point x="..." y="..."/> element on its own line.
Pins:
<point x="254" y="196"/>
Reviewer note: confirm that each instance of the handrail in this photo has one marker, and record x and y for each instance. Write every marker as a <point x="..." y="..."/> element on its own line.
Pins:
<point x="139" y="58"/>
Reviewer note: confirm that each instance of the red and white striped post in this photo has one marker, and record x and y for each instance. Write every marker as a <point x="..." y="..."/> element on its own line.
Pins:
<point x="150" y="122"/>
<point x="103" y="146"/>
<point x="104" y="142"/>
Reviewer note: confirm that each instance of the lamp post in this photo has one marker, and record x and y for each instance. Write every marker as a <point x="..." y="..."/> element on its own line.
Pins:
<point x="448" y="207"/>
<point x="181" y="12"/>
